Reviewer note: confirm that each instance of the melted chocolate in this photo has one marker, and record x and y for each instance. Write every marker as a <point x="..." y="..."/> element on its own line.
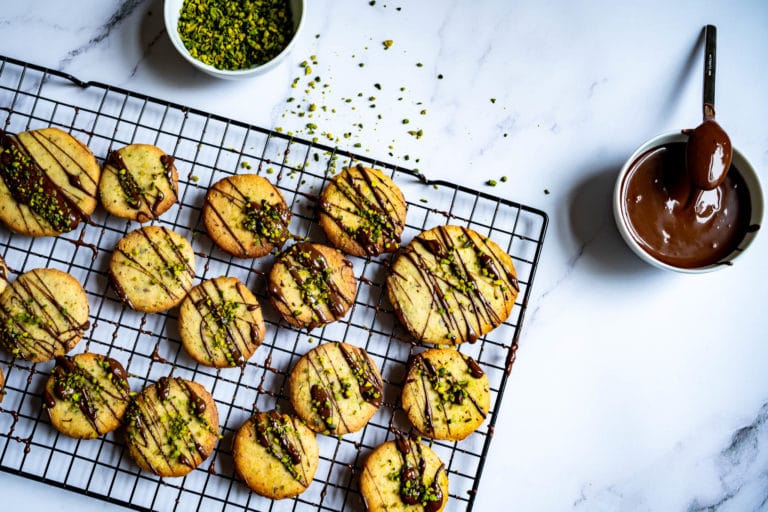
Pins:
<point x="676" y="223"/>
<point x="474" y="368"/>
<point x="708" y="154"/>
<point x="368" y="382"/>
<point x="271" y="431"/>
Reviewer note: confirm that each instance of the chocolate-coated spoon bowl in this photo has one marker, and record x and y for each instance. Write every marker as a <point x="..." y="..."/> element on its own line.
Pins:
<point x="623" y="199"/>
<point x="708" y="155"/>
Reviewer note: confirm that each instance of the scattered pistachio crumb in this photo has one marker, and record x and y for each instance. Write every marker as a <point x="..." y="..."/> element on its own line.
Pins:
<point x="491" y="183"/>
<point x="406" y="121"/>
<point x="388" y="44"/>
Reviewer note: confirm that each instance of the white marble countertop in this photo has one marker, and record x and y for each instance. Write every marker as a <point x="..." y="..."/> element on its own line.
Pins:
<point x="634" y="389"/>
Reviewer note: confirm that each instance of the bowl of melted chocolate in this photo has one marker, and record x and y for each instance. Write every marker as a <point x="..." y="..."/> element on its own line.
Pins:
<point x="671" y="223"/>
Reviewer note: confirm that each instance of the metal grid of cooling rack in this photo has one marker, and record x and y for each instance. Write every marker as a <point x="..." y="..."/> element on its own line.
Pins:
<point x="207" y="148"/>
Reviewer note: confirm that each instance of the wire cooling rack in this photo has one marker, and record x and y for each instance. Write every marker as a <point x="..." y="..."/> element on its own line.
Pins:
<point x="207" y="148"/>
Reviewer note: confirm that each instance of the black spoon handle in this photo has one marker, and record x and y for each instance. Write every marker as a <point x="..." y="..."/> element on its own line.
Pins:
<point x="710" y="47"/>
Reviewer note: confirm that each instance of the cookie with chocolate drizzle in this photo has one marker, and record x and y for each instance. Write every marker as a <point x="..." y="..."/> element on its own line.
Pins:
<point x="48" y="182"/>
<point x="246" y="216"/>
<point x="451" y="285"/>
<point x="171" y="427"/>
<point x="311" y="285"/>
<point x="220" y="323"/>
<point x="4" y="281"/>
<point x="335" y="388"/>
<point x="43" y="314"/>
<point x="362" y="212"/>
<point x="152" y="268"/>
<point x="275" y="454"/>
<point x="86" y="395"/>
<point x="138" y="182"/>
<point x="446" y="394"/>
<point x="404" y="475"/>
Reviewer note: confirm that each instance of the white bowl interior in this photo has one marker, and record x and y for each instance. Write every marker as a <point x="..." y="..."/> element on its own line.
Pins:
<point x="171" y="13"/>
<point x="756" y="198"/>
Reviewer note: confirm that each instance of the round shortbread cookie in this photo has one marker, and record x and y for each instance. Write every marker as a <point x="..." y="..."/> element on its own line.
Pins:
<point x="404" y="476"/>
<point x="86" y="395"/>
<point x="275" y="454"/>
<point x="48" y="182"/>
<point x="152" y="268"/>
<point x="451" y="285"/>
<point x="246" y="216"/>
<point x="171" y="427"/>
<point x="312" y="285"/>
<point x="362" y="212"/>
<point x="220" y="323"/>
<point x="446" y="394"/>
<point x="43" y="314"/>
<point x="139" y="182"/>
<point x="335" y="388"/>
<point x="4" y="280"/>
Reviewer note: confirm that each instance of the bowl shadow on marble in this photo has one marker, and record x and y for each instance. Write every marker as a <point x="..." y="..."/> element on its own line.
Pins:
<point x="161" y="58"/>
<point x="590" y="219"/>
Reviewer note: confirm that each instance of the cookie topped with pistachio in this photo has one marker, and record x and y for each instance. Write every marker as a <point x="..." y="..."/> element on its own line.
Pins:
<point x="43" y="314"/>
<point x="335" y="388"/>
<point x="86" y="395"/>
<point x="139" y="182"/>
<point x="404" y="475"/>
<point x="450" y="285"/>
<point x="246" y="216"/>
<point x="48" y="181"/>
<point x="171" y="427"/>
<point x="220" y="323"/>
<point x="311" y="285"/>
<point x="275" y="454"/>
<point x="362" y="212"/>
<point x="446" y="394"/>
<point x="152" y="268"/>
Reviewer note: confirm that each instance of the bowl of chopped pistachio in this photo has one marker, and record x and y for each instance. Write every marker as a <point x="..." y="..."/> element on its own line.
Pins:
<point x="234" y="38"/>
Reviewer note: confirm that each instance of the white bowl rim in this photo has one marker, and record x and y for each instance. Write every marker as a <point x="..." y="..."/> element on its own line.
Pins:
<point x="747" y="172"/>
<point x="171" y="11"/>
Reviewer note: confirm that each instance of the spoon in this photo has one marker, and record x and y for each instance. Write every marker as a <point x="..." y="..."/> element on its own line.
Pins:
<point x="709" y="151"/>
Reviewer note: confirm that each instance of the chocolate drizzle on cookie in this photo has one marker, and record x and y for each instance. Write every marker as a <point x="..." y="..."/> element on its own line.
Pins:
<point x="440" y="389"/>
<point x="368" y="380"/>
<point x="170" y="270"/>
<point x="374" y="205"/>
<point x="259" y="222"/>
<point x="470" y="288"/>
<point x="31" y="185"/>
<point x="92" y="392"/>
<point x="228" y="332"/>
<point x="169" y="428"/>
<point x="413" y="488"/>
<point x="137" y="196"/>
<point x="316" y="281"/>
<point x="345" y="389"/>
<point x="34" y="324"/>
<point x="277" y="434"/>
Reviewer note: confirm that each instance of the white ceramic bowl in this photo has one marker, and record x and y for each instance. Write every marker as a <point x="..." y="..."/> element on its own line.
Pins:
<point x="172" y="10"/>
<point x="745" y="169"/>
